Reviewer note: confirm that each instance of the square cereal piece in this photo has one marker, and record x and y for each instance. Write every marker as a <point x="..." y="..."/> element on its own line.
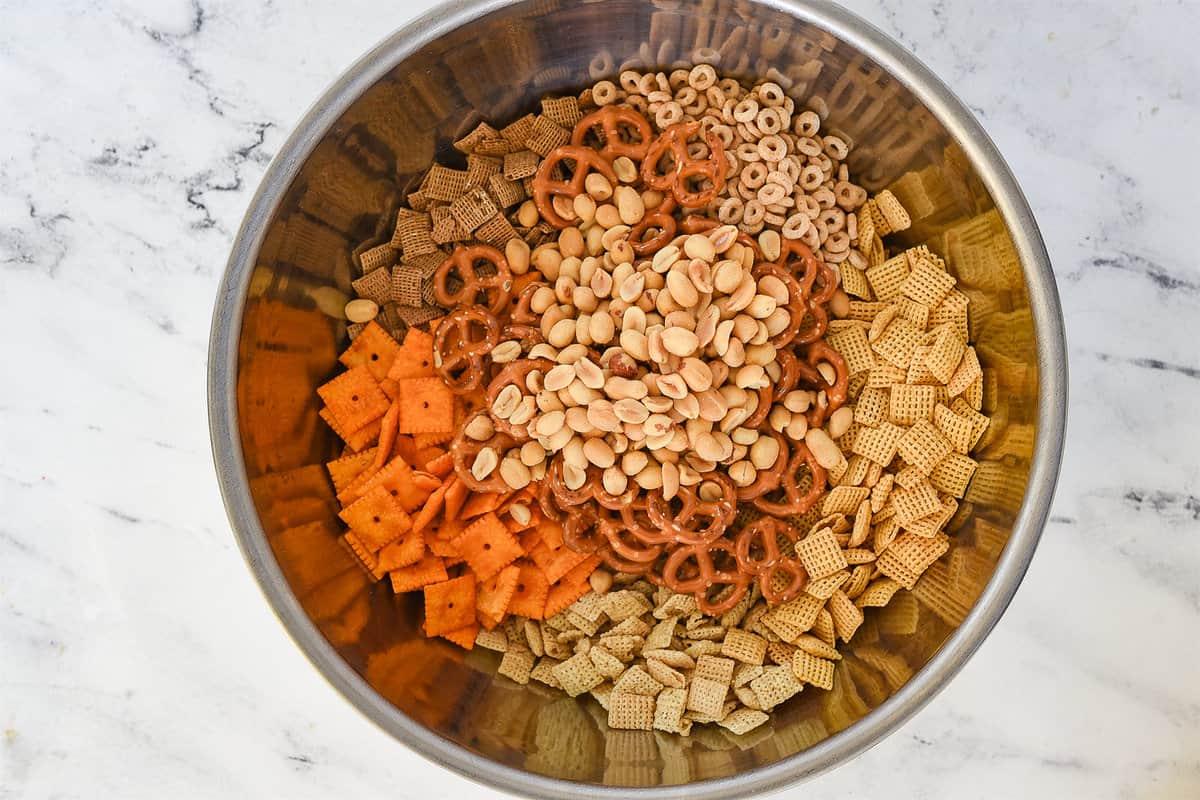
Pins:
<point x="865" y="311"/>
<point x="543" y="672"/>
<point x="898" y="341"/>
<point x="927" y="284"/>
<point x="775" y="685"/>
<point x="895" y="217"/>
<point x="517" y="665"/>
<point x="661" y="634"/>
<point x="957" y="429"/>
<point x="793" y="617"/>
<point x="518" y="131"/>
<point x="631" y="712"/>
<point x="809" y="668"/>
<point x="507" y="193"/>
<point x="469" y="142"/>
<point x="496" y="640"/>
<point x="907" y="403"/>
<point x="623" y="604"/>
<point x="443" y="183"/>
<point x="668" y="710"/>
<point x="820" y="553"/>
<point x="884" y="375"/>
<point x="590" y="607"/>
<point x="426" y="406"/>
<point x="473" y="209"/>
<point x="918" y="553"/>
<point x="912" y="504"/>
<point x="953" y="474"/>
<point x="923" y="446"/>
<point x="945" y="353"/>
<point x="844" y="499"/>
<point x="707" y="696"/>
<point x="715" y="668"/>
<point x="414" y="359"/>
<point x="449" y="605"/>
<point x="521" y="164"/>
<point x="743" y="646"/>
<point x="967" y="373"/>
<point x="370" y="260"/>
<point x="577" y="675"/>
<point x="855" y="283"/>
<point x="918" y="371"/>
<point x="377" y="519"/>
<point x="636" y="680"/>
<point x="545" y="135"/>
<point x="663" y="674"/>
<point x="890" y="565"/>
<point x="847" y="617"/>
<point x="878" y="444"/>
<point x="488" y="546"/>
<point x="914" y="312"/>
<point x="354" y="399"/>
<point x="888" y="278"/>
<point x="375" y="285"/>
<point x="823" y="588"/>
<point x="562" y="110"/>
<point x="496" y="231"/>
<point x="743" y="720"/>
<point x="853" y="345"/>
<point x="480" y="168"/>
<point x="872" y="406"/>
<point x="952" y="311"/>
<point x="878" y="593"/>
<point x="373" y="349"/>
<point x="605" y="662"/>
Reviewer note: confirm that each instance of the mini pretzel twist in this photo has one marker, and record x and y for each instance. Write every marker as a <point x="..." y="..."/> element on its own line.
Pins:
<point x="795" y="501"/>
<point x="494" y="291"/>
<point x="684" y="167"/>
<point x="693" y="570"/>
<point x="460" y="342"/>
<point x="514" y="374"/>
<point x="612" y="121"/>
<point x="661" y="218"/>
<point x="546" y="187"/>
<point x="758" y="554"/>
<point x="697" y="521"/>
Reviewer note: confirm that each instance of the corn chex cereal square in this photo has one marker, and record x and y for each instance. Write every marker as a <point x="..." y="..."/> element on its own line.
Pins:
<point x="809" y="668"/>
<point x="945" y="353"/>
<point x="743" y="720"/>
<point x="853" y="345"/>
<point x="953" y="474"/>
<point x="914" y="312"/>
<point x="878" y="593"/>
<point x="776" y="685"/>
<point x="577" y="675"/>
<point x="823" y="588"/>
<point x="966" y="375"/>
<point x="854" y="282"/>
<point x="912" y="504"/>
<point x="887" y="279"/>
<point x="789" y="620"/>
<point x="668" y="710"/>
<point x="743" y="646"/>
<point x="884" y="375"/>
<point x="865" y="310"/>
<point x="517" y="665"/>
<point x="927" y="284"/>
<point x="707" y="696"/>
<point x="952" y="311"/>
<point x="820" y="553"/>
<point x="631" y="712"/>
<point x="872" y="406"/>
<point x="955" y="428"/>
<point x="898" y="341"/>
<point x="847" y="617"/>
<point x="923" y="446"/>
<point x="917" y="553"/>
<point x="878" y="444"/>
<point x="908" y="404"/>
<point x="844" y="499"/>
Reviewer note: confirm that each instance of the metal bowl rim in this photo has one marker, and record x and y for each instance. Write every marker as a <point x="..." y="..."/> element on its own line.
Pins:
<point x="838" y="748"/>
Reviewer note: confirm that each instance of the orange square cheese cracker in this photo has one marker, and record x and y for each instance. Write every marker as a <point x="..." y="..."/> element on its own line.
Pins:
<point x="376" y="518"/>
<point x="483" y="502"/>
<point x="429" y="569"/>
<point x="374" y="349"/>
<point x="443" y="548"/>
<point x="344" y="470"/>
<point x="551" y="533"/>
<point x="354" y="399"/>
<point x="529" y="600"/>
<point x="449" y="605"/>
<point x="431" y="509"/>
<point x="441" y="466"/>
<point x="404" y="552"/>
<point x="493" y="596"/>
<point x="414" y="358"/>
<point x="488" y="546"/>
<point x="355" y="440"/>
<point x="555" y="564"/>
<point x="456" y="495"/>
<point x="400" y="481"/>
<point x="580" y="572"/>
<point x="426" y="406"/>
<point x="463" y="637"/>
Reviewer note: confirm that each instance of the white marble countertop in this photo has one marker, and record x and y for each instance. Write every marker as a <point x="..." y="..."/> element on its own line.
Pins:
<point x="137" y="657"/>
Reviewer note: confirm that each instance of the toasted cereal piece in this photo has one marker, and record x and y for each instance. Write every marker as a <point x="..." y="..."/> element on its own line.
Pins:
<point x="847" y="617"/>
<point x="637" y="680"/>
<point x="746" y="696"/>
<point x="744" y="673"/>
<point x="562" y="110"/>
<point x="743" y="646"/>
<point x="953" y="474"/>
<point x="844" y="499"/>
<point x="809" y="668"/>
<point x="817" y="647"/>
<point x="545" y="135"/>
<point x="669" y="707"/>
<point x="923" y="446"/>
<point x="517" y="665"/>
<point x="820" y="553"/>
<point x="957" y="429"/>
<point x="707" y="696"/>
<point x="967" y="374"/>
<point x="705" y="647"/>
<point x="605" y="662"/>
<point x="521" y="164"/>
<point x="672" y="658"/>
<point x="912" y="504"/>
<point x="878" y="594"/>
<point x="917" y="553"/>
<point x="775" y="685"/>
<point x="631" y="712"/>
<point x="543" y="672"/>
<point x="665" y="675"/>
<point x="743" y="720"/>
<point x="822" y="588"/>
<point x="952" y="311"/>
<point x="927" y="284"/>
<point x="872" y="406"/>
<point x="660" y="636"/>
<point x="893" y="213"/>
<point x="715" y="668"/>
<point x="492" y="640"/>
<point x="909" y="404"/>
<point x="443" y="183"/>
<point x="855" y="283"/>
<point x="887" y="279"/>
<point x="897" y="343"/>
<point x="794" y="617"/>
<point x="878" y="444"/>
<point x="621" y="605"/>
<point x="914" y="312"/>
<point x="577" y="675"/>
<point x="945" y="354"/>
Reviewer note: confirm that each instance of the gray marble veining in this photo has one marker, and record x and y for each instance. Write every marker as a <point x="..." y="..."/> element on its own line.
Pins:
<point x="132" y="136"/>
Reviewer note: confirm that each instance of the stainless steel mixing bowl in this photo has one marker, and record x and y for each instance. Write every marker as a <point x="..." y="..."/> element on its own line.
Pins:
<point x="336" y="183"/>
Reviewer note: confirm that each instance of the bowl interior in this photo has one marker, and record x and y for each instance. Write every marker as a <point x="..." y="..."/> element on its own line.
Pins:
<point x="345" y="193"/>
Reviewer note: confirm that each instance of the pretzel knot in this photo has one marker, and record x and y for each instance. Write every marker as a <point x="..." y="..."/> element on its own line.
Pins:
<point x="694" y="223"/>
<point x="491" y="290"/>
<point x="795" y="501"/>
<point x="835" y="393"/>
<point x="780" y="577"/>
<point x="565" y="497"/>
<point x="696" y="521"/>
<point x="464" y="450"/>
<point x="514" y="374"/>
<point x="546" y="187"/>
<point x="767" y="480"/>
<point x="797" y="305"/>
<point x="660" y="218"/>
<point x="460" y="342"/>
<point x="523" y="313"/>
<point x="613" y="121"/>
<point x="710" y="573"/>
<point x="683" y="167"/>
